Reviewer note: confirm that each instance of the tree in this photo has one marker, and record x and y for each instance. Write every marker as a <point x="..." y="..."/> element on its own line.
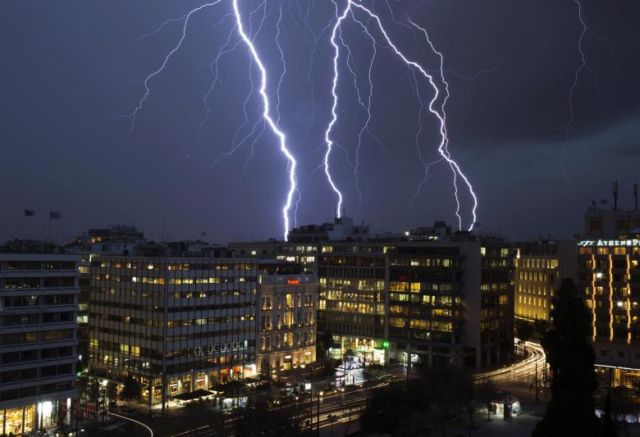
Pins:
<point x="429" y="403"/>
<point x="389" y="410"/>
<point x="131" y="391"/>
<point x="82" y="384"/>
<point x="258" y="420"/>
<point x="94" y="391"/>
<point x="112" y="391"/>
<point x="450" y="393"/>
<point x="373" y="372"/>
<point x="571" y="410"/>
<point x="325" y="341"/>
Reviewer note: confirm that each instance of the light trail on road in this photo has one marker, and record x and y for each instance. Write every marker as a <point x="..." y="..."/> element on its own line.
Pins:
<point x="134" y="421"/>
<point x="518" y="371"/>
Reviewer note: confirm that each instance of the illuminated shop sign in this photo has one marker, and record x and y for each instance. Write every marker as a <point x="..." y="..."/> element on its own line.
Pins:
<point x="610" y="243"/>
<point x="293" y="281"/>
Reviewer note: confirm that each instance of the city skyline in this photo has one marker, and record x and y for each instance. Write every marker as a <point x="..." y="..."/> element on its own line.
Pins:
<point x="62" y="126"/>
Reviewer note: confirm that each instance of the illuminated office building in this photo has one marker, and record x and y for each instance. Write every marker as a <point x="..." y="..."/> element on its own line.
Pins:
<point x="38" y="339"/>
<point x="609" y="280"/>
<point x="540" y="266"/>
<point x="115" y="240"/>
<point x="441" y="299"/>
<point x="286" y="317"/>
<point x="176" y="324"/>
<point x="352" y="298"/>
<point x="303" y="254"/>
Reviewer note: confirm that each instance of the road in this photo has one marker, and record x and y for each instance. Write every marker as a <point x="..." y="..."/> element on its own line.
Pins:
<point x="129" y="419"/>
<point x="345" y="408"/>
<point x="520" y="371"/>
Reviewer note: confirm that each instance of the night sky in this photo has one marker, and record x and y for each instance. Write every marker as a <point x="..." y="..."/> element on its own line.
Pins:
<point x="72" y="69"/>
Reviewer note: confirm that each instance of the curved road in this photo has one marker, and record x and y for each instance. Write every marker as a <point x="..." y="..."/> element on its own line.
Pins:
<point x="346" y="407"/>
<point x="519" y="371"/>
<point x="149" y="430"/>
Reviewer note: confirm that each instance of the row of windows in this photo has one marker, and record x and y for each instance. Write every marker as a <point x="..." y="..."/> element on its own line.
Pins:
<point x="126" y="279"/>
<point x="287" y="340"/>
<point x="31" y="319"/>
<point x="33" y="373"/>
<point x="32" y="301"/>
<point x="54" y="282"/>
<point x="416" y="287"/>
<point x="426" y="299"/>
<point x="38" y="265"/>
<point x="44" y="389"/>
<point x="534" y="289"/>
<point x="287" y="320"/>
<point x="173" y="338"/>
<point x="353" y="296"/>
<point x="434" y="325"/>
<point x="528" y="300"/>
<point x="172" y="323"/>
<point x="290" y="300"/>
<point x="534" y="276"/>
<point x="36" y="354"/>
<point x="607" y="251"/>
<point x="35" y="337"/>
<point x="150" y="265"/>
<point x="538" y="263"/>
<point x="416" y="311"/>
<point x="248" y="306"/>
<point x="425" y="262"/>
<point x="358" y="284"/>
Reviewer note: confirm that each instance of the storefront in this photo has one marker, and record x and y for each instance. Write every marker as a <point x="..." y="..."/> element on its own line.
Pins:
<point x="26" y="419"/>
<point x="372" y="351"/>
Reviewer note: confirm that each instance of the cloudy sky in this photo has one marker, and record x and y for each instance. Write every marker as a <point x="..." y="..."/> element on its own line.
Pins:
<point x="73" y="70"/>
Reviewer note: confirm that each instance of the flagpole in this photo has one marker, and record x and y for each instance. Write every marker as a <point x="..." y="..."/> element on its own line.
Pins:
<point x="49" y="229"/>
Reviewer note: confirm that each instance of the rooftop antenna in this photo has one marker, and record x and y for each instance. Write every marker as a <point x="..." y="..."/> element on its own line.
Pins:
<point x="615" y="195"/>
<point x="635" y="196"/>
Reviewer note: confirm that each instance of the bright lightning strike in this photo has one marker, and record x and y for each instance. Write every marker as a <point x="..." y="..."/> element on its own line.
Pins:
<point x="438" y="111"/>
<point x="334" y="106"/>
<point x="267" y="116"/>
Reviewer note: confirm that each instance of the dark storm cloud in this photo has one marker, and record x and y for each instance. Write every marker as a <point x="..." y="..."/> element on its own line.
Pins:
<point x="70" y="67"/>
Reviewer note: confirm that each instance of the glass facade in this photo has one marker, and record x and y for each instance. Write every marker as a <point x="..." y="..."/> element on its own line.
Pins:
<point x="176" y="323"/>
<point x="38" y="338"/>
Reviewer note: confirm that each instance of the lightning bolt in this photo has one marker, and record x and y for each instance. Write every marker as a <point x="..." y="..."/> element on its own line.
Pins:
<point x="270" y="117"/>
<point x="438" y="111"/>
<point x="334" y="106"/>
<point x="266" y="114"/>
<point x="132" y="116"/>
<point x="583" y="65"/>
<point x="267" y="118"/>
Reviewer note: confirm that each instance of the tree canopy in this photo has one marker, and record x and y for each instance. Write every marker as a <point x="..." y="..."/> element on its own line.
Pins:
<point x="571" y="410"/>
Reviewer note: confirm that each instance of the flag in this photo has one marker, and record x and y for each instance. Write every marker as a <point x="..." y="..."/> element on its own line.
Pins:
<point x="55" y="215"/>
<point x="29" y="213"/>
